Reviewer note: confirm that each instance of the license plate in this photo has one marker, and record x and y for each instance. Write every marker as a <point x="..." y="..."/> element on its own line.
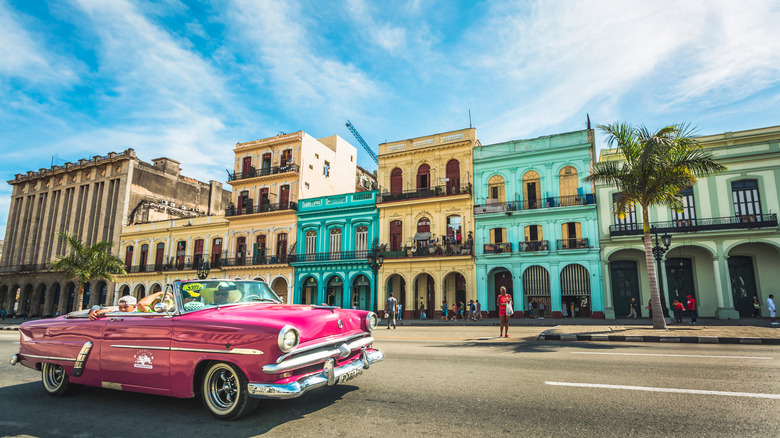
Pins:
<point x="349" y="376"/>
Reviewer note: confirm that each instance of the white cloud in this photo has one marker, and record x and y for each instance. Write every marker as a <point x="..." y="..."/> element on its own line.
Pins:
<point x="301" y="78"/>
<point x="25" y="57"/>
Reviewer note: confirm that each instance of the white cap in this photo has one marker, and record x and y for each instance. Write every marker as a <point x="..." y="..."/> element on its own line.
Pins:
<point x="128" y="299"/>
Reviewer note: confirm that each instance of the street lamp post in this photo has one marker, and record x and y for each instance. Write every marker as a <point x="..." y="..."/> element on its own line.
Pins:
<point x="203" y="270"/>
<point x="659" y="249"/>
<point x="375" y="258"/>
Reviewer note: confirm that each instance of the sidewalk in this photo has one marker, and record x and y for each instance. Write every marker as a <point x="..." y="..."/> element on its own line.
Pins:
<point x="707" y="330"/>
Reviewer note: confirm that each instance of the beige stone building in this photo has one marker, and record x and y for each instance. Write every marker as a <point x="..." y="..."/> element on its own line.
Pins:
<point x="93" y="198"/>
<point x="269" y="177"/>
<point x="426" y="220"/>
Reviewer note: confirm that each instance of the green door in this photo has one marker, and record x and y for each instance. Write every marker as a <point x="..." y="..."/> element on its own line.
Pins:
<point x="743" y="284"/>
<point x="625" y="285"/>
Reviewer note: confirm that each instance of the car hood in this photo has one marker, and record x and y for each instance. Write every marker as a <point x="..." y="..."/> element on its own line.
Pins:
<point x="313" y="322"/>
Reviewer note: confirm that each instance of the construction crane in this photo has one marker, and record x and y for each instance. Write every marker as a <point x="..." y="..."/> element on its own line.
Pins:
<point x="362" y="142"/>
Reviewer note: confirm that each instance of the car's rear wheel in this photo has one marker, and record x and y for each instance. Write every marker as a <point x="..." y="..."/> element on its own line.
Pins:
<point x="55" y="381"/>
<point x="224" y="391"/>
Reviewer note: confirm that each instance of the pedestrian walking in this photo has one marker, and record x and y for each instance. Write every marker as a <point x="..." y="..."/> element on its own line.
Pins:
<point x="770" y="305"/>
<point x="571" y="308"/>
<point x="691" y="306"/>
<point x="421" y="308"/>
<point x="678" y="308"/>
<point x="632" y="306"/>
<point x="3" y="313"/>
<point x="454" y="311"/>
<point x="444" y="310"/>
<point x="390" y="309"/>
<point x="650" y="307"/>
<point x="564" y="310"/>
<point x="542" y="308"/>
<point x="472" y="310"/>
<point x="531" y="308"/>
<point x="502" y="302"/>
<point x="756" y="308"/>
<point x="479" y="310"/>
<point x="400" y="314"/>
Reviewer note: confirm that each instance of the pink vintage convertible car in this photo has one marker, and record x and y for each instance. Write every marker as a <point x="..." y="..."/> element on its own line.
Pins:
<point x="233" y="342"/>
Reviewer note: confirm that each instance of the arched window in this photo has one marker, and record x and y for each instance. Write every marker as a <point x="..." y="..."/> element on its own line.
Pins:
<point x="396" y="181"/>
<point x="532" y="190"/>
<point x="495" y="189"/>
<point x="423" y="177"/>
<point x="159" y="257"/>
<point x="361" y="238"/>
<point x="746" y="199"/>
<point x="181" y="253"/>
<point x="453" y="177"/>
<point x="281" y="247"/>
<point x="129" y="257"/>
<point x="216" y="252"/>
<point x="568" y="184"/>
<point x="311" y="242"/>
<point x="396" y="235"/>
<point x="335" y="243"/>
<point x="453" y="229"/>
<point x="144" y="254"/>
<point x="240" y="250"/>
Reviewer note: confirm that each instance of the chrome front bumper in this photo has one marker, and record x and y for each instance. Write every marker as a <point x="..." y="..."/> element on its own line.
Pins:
<point x="330" y="376"/>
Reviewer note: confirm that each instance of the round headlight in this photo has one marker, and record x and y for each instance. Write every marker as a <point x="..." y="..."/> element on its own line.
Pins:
<point x="371" y="321"/>
<point x="288" y="338"/>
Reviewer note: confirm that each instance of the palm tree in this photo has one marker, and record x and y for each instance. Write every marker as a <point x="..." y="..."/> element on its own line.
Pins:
<point x="87" y="263"/>
<point x="655" y="167"/>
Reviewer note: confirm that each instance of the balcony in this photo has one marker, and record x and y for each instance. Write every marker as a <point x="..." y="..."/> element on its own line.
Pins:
<point x="265" y="171"/>
<point x="259" y="208"/>
<point x="497" y="248"/>
<point x="15" y="269"/>
<point x="431" y="192"/>
<point x="329" y="256"/>
<point x="567" y="244"/>
<point x="533" y="246"/>
<point x="550" y="202"/>
<point x="436" y="250"/>
<point x="253" y="261"/>
<point x="753" y="221"/>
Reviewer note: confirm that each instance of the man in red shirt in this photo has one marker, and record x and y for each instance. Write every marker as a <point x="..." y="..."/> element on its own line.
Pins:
<point x="691" y="306"/>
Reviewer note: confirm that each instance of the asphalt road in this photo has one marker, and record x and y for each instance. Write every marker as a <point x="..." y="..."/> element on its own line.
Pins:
<point x="461" y="381"/>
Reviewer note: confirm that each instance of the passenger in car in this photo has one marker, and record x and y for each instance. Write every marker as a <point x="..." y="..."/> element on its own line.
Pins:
<point x="126" y="303"/>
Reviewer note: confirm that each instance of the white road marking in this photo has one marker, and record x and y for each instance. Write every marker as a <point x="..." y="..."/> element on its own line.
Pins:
<point x="673" y="355"/>
<point x="677" y="390"/>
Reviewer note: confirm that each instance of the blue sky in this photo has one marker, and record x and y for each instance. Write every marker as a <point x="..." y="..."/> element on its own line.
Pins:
<point x="188" y="80"/>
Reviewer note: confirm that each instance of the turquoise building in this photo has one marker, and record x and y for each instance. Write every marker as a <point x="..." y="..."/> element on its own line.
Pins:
<point x="335" y="235"/>
<point x="536" y="230"/>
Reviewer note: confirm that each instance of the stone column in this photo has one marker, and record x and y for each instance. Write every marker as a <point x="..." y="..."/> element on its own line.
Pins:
<point x="606" y="290"/>
<point x="555" y="290"/>
<point x="596" y="295"/>
<point x="723" y="295"/>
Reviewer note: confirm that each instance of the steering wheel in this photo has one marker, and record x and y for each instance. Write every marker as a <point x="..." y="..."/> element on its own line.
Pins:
<point x="252" y="298"/>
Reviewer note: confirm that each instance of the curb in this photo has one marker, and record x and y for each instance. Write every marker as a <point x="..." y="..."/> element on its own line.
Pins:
<point x="671" y="339"/>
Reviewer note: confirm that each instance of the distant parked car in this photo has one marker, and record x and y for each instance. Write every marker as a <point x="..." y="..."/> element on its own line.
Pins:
<point x="232" y="342"/>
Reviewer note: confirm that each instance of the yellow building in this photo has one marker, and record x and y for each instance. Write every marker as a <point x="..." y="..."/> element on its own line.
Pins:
<point x="426" y="221"/>
<point x="158" y="253"/>
<point x="268" y="179"/>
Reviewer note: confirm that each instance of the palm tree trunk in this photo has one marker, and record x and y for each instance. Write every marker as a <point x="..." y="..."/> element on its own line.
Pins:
<point x="659" y="321"/>
<point x="79" y="298"/>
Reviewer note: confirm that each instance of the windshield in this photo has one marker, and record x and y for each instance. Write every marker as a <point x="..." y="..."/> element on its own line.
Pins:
<point x="208" y="293"/>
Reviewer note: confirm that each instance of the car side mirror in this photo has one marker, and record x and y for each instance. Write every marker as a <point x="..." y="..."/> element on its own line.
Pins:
<point x="161" y="307"/>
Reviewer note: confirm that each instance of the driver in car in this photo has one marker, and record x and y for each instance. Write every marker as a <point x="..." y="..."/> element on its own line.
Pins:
<point x="126" y="303"/>
<point x="221" y="294"/>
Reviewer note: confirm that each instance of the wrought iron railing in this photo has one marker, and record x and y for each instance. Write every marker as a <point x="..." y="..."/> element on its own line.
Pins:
<point x="533" y="246"/>
<point x="435" y="250"/>
<point x="565" y="244"/>
<point x="497" y="248"/>
<point x="329" y="256"/>
<point x="549" y="202"/>
<point x="704" y="224"/>
<point x="260" y="208"/>
<point x="428" y="192"/>
<point x="254" y="173"/>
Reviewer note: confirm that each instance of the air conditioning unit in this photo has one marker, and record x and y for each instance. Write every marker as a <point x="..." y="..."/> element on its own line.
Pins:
<point x="183" y="207"/>
<point x="172" y="204"/>
<point x="164" y="202"/>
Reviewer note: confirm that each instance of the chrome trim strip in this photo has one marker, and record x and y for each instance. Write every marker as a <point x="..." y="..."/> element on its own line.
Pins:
<point x="334" y="341"/>
<point x="48" y="357"/>
<point x="78" y="367"/>
<point x="247" y="351"/>
<point x="298" y="388"/>
<point x="317" y="356"/>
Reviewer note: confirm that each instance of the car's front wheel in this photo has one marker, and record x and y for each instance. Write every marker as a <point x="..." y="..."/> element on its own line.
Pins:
<point x="55" y="380"/>
<point x="225" y="393"/>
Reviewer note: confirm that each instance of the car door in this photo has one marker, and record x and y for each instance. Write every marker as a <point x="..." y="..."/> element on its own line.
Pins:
<point x="136" y="352"/>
